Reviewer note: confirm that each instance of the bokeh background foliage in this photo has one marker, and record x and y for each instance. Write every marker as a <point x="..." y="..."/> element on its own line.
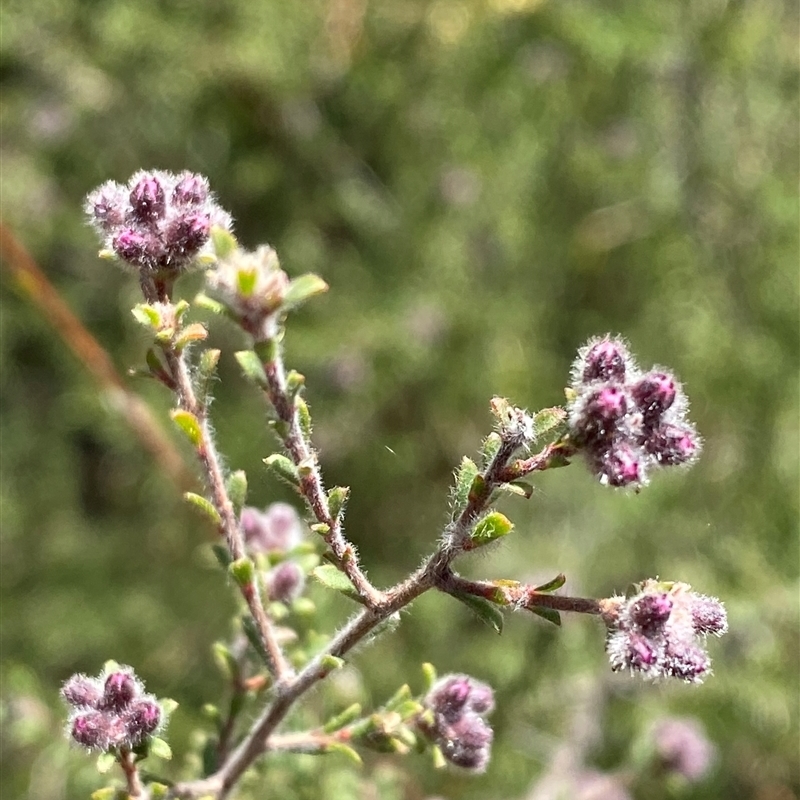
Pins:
<point x="484" y="185"/>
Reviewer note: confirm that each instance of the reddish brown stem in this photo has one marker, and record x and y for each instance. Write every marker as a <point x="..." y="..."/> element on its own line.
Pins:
<point x="128" y="763"/>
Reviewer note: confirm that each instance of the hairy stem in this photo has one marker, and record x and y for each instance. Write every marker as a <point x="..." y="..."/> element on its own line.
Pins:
<point x="229" y="525"/>
<point x="311" y="485"/>
<point x="128" y="764"/>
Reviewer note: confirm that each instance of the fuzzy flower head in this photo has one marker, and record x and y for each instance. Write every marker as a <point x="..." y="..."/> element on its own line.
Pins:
<point x="111" y="710"/>
<point x="660" y="631"/>
<point x="458" y="707"/>
<point x="627" y="422"/>
<point x="159" y="224"/>
<point x="253" y="287"/>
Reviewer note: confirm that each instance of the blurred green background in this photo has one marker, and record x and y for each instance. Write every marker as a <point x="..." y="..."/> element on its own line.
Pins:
<point x="484" y="185"/>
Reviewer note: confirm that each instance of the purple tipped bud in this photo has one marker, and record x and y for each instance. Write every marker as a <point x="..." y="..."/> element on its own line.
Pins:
<point x="138" y="249"/>
<point x="82" y="692"/>
<point x="449" y="696"/>
<point x="654" y="394"/>
<point x="671" y="445"/>
<point x="683" y="747"/>
<point x="147" y="199"/>
<point x="481" y="698"/>
<point x="187" y="234"/>
<point x="468" y="743"/>
<point x="708" y="616"/>
<point x="605" y="361"/>
<point x="285" y="582"/>
<point x="90" y="730"/>
<point x="119" y="690"/>
<point x="106" y="206"/>
<point x="620" y="466"/>
<point x="651" y="612"/>
<point x="191" y="190"/>
<point x="141" y="720"/>
<point x="689" y="663"/>
<point x="607" y="404"/>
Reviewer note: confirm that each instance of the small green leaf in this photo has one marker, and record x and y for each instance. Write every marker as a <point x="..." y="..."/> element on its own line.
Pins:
<point x="294" y="382"/>
<point x="518" y="488"/>
<point x="429" y="676"/>
<point x="203" y="505"/>
<point x="439" y="761"/>
<point x="322" y="528"/>
<point x="106" y="793"/>
<point x="189" y="424"/>
<point x="302" y="289"/>
<point x="547" y="419"/>
<point x="236" y="486"/>
<point x="465" y="476"/>
<point x="304" y="607"/>
<point x="223" y="241"/>
<point x="491" y="444"/>
<point x="550" y="614"/>
<point x="331" y="663"/>
<point x="242" y="570"/>
<point x="350" y="714"/>
<point x="398" y="698"/>
<point x="209" y="304"/>
<point x="283" y="468"/>
<point x="147" y="315"/>
<point x="552" y="585"/>
<point x="168" y="706"/>
<point x="222" y="555"/>
<point x="253" y="636"/>
<point x="491" y="527"/>
<point x="485" y="611"/>
<point x="158" y="791"/>
<point x="337" y="498"/>
<point x="477" y="489"/>
<point x="252" y="367"/>
<point x="160" y="749"/>
<point x="209" y="359"/>
<point x="154" y="363"/>
<point x="332" y="578"/>
<point x="303" y="416"/>
<point x="226" y="661"/>
<point x="105" y="761"/>
<point x="345" y="750"/>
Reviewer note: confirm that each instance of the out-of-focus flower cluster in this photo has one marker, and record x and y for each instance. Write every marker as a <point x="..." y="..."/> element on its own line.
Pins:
<point x="627" y="421"/>
<point x="110" y="711"/>
<point x="683" y="747"/>
<point x="458" y="707"/>
<point x="660" y="631"/>
<point x="274" y="533"/>
<point x="158" y="223"/>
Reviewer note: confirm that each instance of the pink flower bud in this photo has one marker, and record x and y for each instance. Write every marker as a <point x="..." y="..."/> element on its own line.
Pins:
<point x="82" y="692"/>
<point x="141" y="720"/>
<point x="147" y="199"/>
<point x="708" y="616"/>
<point x="654" y="394"/>
<point x="285" y="582"/>
<point x="683" y="747"/>
<point x="672" y="445"/>
<point x="191" y="189"/>
<point x="119" y="690"/>
<point x="621" y="466"/>
<point x="604" y="360"/>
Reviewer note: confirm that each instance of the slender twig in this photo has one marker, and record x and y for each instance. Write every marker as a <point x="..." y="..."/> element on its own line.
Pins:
<point x="311" y="485"/>
<point x="128" y="764"/>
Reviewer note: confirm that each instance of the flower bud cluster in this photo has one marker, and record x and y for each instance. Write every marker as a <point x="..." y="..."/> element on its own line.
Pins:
<point x="459" y="705"/>
<point x="275" y="532"/>
<point x="660" y="631"/>
<point x="159" y="222"/>
<point x="627" y="421"/>
<point x="253" y="287"/>
<point x="110" y="711"/>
